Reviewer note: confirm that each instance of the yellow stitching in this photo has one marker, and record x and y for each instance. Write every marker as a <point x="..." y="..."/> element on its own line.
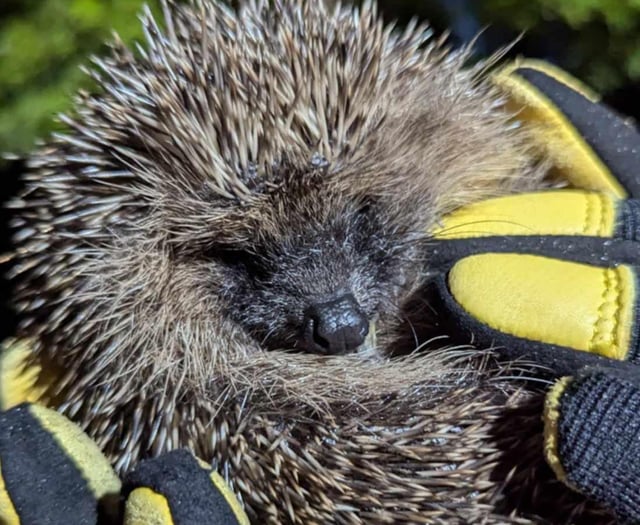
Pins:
<point x="604" y="339"/>
<point x="602" y="205"/>
<point x="616" y="313"/>
<point x="587" y="213"/>
<point x="596" y="326"/>
<point x="615" y="282"/>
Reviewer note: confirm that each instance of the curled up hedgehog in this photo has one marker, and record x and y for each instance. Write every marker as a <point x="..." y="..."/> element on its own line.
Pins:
<point x="220" y="251"/>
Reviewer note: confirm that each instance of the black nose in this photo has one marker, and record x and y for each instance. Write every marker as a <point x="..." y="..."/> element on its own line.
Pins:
<point x="335" y="327"/>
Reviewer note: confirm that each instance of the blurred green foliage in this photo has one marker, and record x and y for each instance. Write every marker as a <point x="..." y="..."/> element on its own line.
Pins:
<point x="43" y="43"/>
<point x="603" y="43"/>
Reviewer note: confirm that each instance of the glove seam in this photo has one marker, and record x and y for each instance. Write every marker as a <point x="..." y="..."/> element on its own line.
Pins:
<point x="596" y="326"/>
<point x="587" y="212"/>
<point x="551" y="420"/>
<point x="595" y="220"/>
<point x="615" y="332"/>
<point x="603" y="204"/>
<point x="606" y="327"/>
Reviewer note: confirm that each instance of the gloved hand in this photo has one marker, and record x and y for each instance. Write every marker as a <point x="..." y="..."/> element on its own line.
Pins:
<point x="552" y="277"/>
<point x="179" y="489"/>
<point x="52" y="473"/>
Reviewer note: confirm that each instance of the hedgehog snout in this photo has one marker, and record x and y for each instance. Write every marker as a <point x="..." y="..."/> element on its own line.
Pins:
<point x="337" y="326"/>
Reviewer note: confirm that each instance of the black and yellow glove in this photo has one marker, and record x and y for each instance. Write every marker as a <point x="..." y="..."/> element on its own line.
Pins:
<point x="546" y="274"/>
<point x="52" y="473"/>
<point x="552" y="277"/>
<point x="592" y="436"/>
<point x="178" y="489"/>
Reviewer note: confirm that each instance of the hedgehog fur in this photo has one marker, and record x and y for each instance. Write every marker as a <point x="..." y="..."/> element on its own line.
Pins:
<point x="234" y="168"/>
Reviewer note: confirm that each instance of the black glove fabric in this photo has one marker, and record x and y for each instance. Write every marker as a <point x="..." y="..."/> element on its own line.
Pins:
<point x="178" y="489"/>
<point x="552" y="277"/>
<point x="52" y="473"/>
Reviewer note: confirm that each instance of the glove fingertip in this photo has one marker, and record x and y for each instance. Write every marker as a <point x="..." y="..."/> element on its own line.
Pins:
<point x="184" y="489"/>
<point x="50" y="467"/>
<point x="144" y="506"/>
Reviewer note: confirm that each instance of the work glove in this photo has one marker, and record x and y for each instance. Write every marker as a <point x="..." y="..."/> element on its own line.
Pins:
<point x="52" y="473"/>
<point x="552" y="277"/>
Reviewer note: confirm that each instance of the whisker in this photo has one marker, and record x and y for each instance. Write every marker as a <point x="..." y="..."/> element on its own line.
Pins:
<point x="452" y="229"/>
<point x="527" y="379"/>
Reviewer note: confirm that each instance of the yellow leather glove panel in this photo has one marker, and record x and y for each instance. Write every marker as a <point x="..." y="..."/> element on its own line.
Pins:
<point x="550" y="212"/>
<point x="557" y="302"/>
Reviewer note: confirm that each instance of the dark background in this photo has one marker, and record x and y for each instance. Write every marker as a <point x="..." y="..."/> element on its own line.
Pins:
<point x="44" y="42"/>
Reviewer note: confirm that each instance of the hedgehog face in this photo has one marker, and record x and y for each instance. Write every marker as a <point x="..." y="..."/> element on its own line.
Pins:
<point x="322" y="277"/>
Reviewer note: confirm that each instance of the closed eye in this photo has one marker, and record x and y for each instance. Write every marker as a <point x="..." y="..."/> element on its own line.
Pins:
<point x="364" y="210"/>
<point x="367" y="207"/>
<point x="250" y="262"/>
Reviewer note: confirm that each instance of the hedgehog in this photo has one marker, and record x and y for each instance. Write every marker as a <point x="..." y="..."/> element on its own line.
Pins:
<point x="220" y="250"/>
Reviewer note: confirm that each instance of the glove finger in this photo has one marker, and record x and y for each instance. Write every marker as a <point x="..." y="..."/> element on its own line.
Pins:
<point x="543" y="309"/>
<point x="592" y="437"/>
<point x="175" y="489"/>
<point x="587" y="227"/>
<point x="552" y="212"/>
<point x="588" y="144"/>
<point x="51" y="472"/>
